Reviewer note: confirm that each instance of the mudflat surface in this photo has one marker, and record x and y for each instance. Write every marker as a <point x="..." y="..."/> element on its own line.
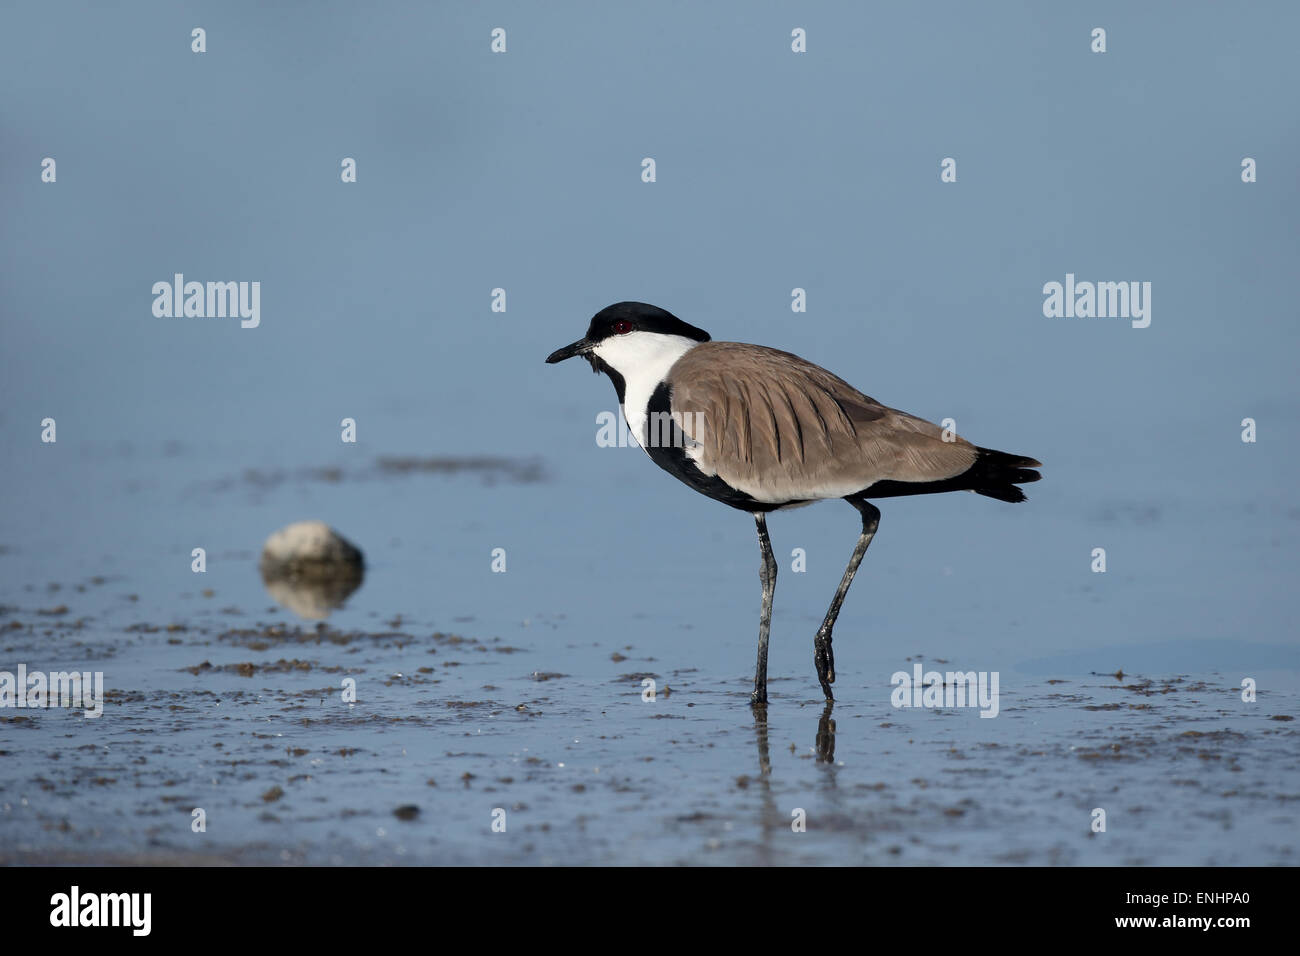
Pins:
<point x="480" y="692"/>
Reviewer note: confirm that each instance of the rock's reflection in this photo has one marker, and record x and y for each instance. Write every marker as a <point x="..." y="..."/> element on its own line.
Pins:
<point x="313" y="598"/>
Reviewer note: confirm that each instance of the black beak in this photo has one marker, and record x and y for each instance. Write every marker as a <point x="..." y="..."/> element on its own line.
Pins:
<point x="580" y="347"/>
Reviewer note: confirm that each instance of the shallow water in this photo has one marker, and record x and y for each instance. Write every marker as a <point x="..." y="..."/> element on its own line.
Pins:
<point x="521" y="691"/>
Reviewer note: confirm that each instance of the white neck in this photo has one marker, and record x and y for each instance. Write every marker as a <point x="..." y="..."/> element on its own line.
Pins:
<point x="643" y="359"/>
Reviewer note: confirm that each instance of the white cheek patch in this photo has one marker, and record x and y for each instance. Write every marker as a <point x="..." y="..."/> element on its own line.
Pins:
<point x="643" y="359"/>
<point x="643" y="351"/>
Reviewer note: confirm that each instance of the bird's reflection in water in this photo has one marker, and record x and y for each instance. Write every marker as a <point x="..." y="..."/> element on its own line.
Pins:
<point x="760" y="735"/>
<point x="824" y="742"/>
<point x="773" y="820"/>
<point x="770" y="820"/>
<point x="826" y="736"/>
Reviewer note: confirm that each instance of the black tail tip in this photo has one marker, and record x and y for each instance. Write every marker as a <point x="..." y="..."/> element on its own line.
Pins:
<point x="1008" y="493"/>
<point x="997" y="474"/>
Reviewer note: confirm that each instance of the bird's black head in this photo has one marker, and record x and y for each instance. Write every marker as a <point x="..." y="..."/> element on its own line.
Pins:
<point x="624" y="318"/>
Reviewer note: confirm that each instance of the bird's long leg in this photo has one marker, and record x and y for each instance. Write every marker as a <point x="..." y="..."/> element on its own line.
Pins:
<point x="823" y="655"/>
<point x="767" y="576"/>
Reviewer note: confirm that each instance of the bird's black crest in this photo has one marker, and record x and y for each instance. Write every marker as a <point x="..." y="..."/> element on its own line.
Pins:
<point x="644" y="318"/>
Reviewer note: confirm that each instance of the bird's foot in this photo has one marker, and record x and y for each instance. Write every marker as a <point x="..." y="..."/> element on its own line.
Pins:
<point x="824" y="659"/>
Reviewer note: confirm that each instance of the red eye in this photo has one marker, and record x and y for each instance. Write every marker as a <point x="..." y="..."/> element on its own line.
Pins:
<point x="622" y="327"/>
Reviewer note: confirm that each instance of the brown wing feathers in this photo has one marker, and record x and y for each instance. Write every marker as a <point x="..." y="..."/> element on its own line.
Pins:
<point x="780" y="428"/>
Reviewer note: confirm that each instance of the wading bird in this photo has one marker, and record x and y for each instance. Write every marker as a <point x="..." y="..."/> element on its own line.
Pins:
<point x="761" y="430"/>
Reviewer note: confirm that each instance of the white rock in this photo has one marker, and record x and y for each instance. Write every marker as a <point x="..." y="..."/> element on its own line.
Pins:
<point x="308" y="546"/>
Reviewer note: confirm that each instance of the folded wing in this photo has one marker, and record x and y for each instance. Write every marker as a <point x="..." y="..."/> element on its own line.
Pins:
<point x="779" y="428"/>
